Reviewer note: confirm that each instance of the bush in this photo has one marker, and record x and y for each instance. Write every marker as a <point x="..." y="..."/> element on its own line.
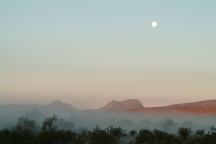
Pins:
<point x="102" y="137"/>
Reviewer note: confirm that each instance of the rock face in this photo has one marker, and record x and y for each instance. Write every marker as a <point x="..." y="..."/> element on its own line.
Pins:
<point x="123" y="106"/>
<point x="202" y="107"/>
<point x="132" y="105"/>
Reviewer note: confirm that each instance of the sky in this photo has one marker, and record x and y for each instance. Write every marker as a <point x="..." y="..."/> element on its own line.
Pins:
<point x="89" y="52"/>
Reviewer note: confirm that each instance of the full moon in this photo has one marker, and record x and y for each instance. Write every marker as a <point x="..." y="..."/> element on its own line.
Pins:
<point x="154" y="24"/>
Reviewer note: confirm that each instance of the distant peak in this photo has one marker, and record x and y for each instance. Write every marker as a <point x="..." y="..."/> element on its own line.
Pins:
<point x="125" y="105"/>
<point x="132" y="104"/>
<point x="114" y="101"/>
<point x="132" y="100"/>
<point x="56" y="102"/>
<point x="60" y="106"/>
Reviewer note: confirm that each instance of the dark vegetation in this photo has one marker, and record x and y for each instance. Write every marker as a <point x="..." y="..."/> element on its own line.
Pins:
<point x="54" y="131"/>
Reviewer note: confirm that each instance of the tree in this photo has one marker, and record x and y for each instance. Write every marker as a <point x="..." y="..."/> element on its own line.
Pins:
<point x="24" y="124"/>
<point x="213" y="130"/>
<point x="184" y="133"/>
<point x="66" y="125"/>
<point x="161" y="137"/>
<point x="53" y="132"/>
<point x="144" y="136"/>
<point x="117" y="132"/>
<point x="23" y="133"/>
<point x="167" y="124"/>
<point x="133" y="132"/>
<point x="50" y="124"/>
<point x="102" y="137"/>
<point x="200" y="133"/>
<point x="5" y="136"/>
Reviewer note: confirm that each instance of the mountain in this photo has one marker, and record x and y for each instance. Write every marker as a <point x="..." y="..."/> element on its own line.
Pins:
<point x="132" y="105"/>
<point x="202" y="107"/>
<point x="58" y="107"/>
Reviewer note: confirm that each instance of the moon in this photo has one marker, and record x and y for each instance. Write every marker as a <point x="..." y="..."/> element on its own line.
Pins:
<point x="154" y="24"/>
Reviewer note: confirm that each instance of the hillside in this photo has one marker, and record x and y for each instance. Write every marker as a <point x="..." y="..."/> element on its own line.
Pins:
<point x="207" y="107"/>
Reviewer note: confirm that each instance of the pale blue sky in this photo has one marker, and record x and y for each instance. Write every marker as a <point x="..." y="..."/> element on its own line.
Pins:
<point x="102" y="50"/>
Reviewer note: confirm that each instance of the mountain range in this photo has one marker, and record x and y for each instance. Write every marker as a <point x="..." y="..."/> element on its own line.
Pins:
<point x="207" y="107"/>
<point x="36" y="111"/>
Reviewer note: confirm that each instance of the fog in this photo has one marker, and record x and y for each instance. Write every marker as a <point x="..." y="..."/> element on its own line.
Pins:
<point x="80" y="120"/>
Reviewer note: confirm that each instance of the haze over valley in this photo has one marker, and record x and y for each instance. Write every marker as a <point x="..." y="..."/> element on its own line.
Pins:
<point x="128" y="114"/>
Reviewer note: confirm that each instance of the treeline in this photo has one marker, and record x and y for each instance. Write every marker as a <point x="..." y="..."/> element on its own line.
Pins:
<point x="26" y="131"/>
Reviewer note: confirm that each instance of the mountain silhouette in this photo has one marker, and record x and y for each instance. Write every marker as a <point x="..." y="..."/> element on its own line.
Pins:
<point x="57" y="107"/>
<point x="123" y="106"/>
<point x="207" y="107"/>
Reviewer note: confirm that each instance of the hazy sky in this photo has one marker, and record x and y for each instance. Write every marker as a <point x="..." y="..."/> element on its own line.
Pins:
<point x="88" y="52"/>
